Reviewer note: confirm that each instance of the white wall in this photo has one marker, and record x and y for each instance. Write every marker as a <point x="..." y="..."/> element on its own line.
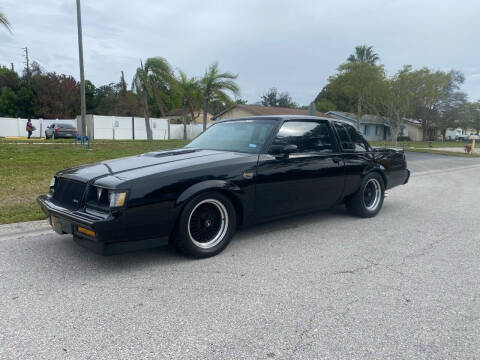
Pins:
<point x="106" y="128"/>
<point x="193" y="130"/>
<point x="16" y="126"/>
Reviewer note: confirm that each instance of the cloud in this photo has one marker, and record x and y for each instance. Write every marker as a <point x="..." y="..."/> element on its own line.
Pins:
<point x="293" y="45"/>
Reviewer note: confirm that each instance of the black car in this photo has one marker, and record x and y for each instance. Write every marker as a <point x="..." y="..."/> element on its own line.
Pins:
<point x="236" y="173"/>
<point x="59" y="130"/>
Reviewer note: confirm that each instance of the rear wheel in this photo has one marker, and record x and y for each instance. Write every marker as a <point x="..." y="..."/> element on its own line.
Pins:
<point x="206" y="225"/>
<point x="368" y="200"/>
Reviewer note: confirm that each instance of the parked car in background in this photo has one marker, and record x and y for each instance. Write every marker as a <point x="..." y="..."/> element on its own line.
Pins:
<point x="238" y="172"/>
<point x="59" y="130"/>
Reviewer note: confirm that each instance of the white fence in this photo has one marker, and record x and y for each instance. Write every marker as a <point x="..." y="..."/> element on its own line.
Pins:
<point x="16" y="126"/>
<point x="106" y="128"/>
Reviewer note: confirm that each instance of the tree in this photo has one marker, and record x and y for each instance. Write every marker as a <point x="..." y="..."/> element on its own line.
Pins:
<point x="325" y="105"/>
<point x="393" y="100"/>
<point x="90" y="98"/>
<point x="329" y="100"/>
<point x="364" y="54"/>
<point x="189" y="90"/>
<point x="215" y="86"/>
<point x="273" y="99"/>
<point x="358" y="82"/>
<point x="154" y="79"/>
<point x="4" y="21"/>
<point x="56" y="96"/>
<point x="8" y="102"/>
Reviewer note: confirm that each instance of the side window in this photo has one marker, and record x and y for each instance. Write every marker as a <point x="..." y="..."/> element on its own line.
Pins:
<point x="309" y="136"/>
<point x="357" y="139"/>
<point x="345" y="140"/>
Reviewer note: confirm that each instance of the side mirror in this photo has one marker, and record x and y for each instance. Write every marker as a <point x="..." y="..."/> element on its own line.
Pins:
<point x="283" y="150"/>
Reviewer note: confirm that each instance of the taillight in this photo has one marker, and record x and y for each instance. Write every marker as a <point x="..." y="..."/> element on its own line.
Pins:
<point x="57" y="129"/>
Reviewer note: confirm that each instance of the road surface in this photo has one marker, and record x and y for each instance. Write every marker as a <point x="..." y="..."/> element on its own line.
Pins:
<point x="405" y="284"/>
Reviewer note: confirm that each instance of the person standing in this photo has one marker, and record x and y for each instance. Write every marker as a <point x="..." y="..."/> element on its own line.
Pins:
<point x="29" y="128"/>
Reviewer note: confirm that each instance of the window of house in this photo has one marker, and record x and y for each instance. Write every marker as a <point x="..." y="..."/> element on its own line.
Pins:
<point x="365" y="129"/>
<point x="309" y="136"/>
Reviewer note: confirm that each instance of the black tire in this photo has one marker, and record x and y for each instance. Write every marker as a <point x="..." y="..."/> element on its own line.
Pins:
<point x="206" y="225"/>
<point x="368" y="200"/>
<point x="46" y="136"/>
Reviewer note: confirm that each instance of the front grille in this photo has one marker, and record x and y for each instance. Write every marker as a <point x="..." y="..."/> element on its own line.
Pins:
<point x="69" y="193"/>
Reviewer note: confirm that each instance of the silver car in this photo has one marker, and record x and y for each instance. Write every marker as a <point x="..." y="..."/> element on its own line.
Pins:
<point x="60" y="130"/>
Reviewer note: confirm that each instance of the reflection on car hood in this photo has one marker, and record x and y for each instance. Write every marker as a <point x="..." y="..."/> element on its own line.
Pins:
<point x="121" y="165"/>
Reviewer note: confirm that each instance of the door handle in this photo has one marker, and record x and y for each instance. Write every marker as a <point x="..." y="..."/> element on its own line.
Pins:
<point x="336" y="159"/>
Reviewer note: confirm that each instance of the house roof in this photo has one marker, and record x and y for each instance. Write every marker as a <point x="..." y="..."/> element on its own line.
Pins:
<point x="258" y="110"/>
<point x="365" y="119"/>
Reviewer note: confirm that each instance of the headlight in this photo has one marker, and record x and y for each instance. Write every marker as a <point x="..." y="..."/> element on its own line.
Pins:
<point x="52" y="183"/>
<point x="117" y="199"/>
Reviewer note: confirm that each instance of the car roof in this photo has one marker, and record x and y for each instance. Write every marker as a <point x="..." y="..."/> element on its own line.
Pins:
<point x="278" y="118"/>
<point x="286" y="117"/>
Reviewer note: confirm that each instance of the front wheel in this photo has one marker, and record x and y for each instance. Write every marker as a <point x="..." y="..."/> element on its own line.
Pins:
<point x="207" y="224"/>
<point x="368" y="199"/>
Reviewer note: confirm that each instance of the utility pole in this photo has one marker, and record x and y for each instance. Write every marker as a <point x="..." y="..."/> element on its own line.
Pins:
<point x="83" y="106"/>
<point x="27" y="62"/>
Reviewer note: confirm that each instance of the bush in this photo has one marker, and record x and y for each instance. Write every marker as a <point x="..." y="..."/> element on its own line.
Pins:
<point x="403" y="138"/>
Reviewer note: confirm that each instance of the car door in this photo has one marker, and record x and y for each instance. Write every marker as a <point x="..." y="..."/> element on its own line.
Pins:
<point x="309" y="178"/>
<point x="50" y="129"/>
<point x="356" y="154"/>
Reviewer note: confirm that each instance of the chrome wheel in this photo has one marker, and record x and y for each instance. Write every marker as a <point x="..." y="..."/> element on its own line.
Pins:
<point x="372" y="194"/>
<point x="208" y="223"/>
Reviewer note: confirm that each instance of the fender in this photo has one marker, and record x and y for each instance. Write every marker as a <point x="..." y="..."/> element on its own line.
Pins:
<point x="378" y="168"/>
<point x="206" y="185"/>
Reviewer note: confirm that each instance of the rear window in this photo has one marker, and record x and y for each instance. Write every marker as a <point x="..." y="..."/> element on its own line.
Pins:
<point x="357" y="139"/>
<point x="66" y="126"/>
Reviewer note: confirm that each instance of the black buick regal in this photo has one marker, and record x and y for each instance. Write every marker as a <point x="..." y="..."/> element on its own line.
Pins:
<point x="236" y="173"/>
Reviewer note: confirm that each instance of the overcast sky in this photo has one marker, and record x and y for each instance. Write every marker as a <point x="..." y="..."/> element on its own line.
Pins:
<point x="293" y="45"/>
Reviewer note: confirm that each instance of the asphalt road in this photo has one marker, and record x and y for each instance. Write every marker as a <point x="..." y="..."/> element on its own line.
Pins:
<point x="405" y="284"/>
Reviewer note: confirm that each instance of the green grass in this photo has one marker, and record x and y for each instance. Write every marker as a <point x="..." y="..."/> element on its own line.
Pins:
<point x="422" y="144"/>
<point x="443" y="152"/>
<point x="27" y="168"/>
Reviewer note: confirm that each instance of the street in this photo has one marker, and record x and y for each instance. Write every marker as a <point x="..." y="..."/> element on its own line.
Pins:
<point x="404" y="284"/>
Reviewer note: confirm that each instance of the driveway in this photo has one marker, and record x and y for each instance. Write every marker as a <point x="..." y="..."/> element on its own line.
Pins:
<point x="402" y="285"/>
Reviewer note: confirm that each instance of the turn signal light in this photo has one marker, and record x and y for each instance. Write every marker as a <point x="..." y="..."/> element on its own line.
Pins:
<point x="88" y="232"/>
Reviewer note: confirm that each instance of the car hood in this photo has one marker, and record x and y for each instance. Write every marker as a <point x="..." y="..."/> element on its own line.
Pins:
<point x="168" y="158"/>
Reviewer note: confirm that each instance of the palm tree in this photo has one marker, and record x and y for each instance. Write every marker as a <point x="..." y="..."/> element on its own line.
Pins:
<point x="364" y="54"/>
<point x="214" y="87"/>
<point x="141" y="85"/>
<point x="153" y="79"/>
<point x="189" y="90"/>
<point x="4" y="21"/>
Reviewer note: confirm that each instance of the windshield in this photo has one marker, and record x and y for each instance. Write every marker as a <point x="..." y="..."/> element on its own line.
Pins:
<point x="242" y="136"/>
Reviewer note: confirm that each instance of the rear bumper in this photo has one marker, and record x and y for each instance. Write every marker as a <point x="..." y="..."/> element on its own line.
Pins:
<point x="104" y="226"/>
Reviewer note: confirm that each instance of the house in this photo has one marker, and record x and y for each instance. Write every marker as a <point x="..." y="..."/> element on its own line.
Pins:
<point x="375" y="128"/>
<point x="244" y="110"/>
<point x="177" y="116"/>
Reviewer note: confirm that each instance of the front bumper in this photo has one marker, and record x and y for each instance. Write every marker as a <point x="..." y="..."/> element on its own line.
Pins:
<point x="105" y="239"/>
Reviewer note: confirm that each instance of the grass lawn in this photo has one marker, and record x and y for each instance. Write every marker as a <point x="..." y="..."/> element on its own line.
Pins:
<point x="422" y="144"/>
<point x="427" y="147"/>
<point x="27" y="167"/>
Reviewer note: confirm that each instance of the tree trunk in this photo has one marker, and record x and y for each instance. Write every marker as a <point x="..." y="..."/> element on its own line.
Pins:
<point x="147" y="115"/>
<point x="205" y="111"/>
<point x="394" y="133"/>
<point x="185" y="121"/>
<point x="359" y="112"/>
